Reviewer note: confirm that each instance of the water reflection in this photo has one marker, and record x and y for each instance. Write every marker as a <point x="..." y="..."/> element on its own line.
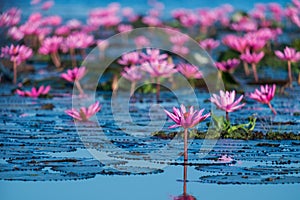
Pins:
<point x="185" y="195"/>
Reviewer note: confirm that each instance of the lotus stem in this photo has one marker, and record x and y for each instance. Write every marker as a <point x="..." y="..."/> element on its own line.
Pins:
<point x="246" y="69"/>
<point x="290" y="73"/>
<point x="184" y="178"/>
<point x="15" y="72"/>
<point x="73" y="58"/>
<point x="157" y="89"/>
<point x="255" y="72"/>
<point x="83" y="53"/>
<point x="56" y="60"/>
<point x="81" y="92"/>
<point x="185" y="145"/>
<point x="271" y="107"/>
<point x="219" y="75"/>
<point x="114" y="85"/>
<point x="133" y="84"/>
<point x="227" y="116"/>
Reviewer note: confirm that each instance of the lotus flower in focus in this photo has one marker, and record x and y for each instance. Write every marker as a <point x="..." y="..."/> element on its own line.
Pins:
<point x="186" y="119"/>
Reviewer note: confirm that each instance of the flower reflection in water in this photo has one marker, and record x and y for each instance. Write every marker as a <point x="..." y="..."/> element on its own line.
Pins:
<point x="185" y="195"/>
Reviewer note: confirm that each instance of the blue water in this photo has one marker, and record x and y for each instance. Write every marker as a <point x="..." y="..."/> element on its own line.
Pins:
<point x="158" y="187"/>
<point x="80" y="8"/>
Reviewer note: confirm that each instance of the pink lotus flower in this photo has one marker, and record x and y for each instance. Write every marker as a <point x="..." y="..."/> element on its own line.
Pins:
<point x="74" y="24"/>
<point x="226" y="101"/>
<point x="296" y="3"/>
<point x="189" y="71"/>
<point x="15" y="33"/>
<point x="51" y="46"/>
<point x="10" y="18"/>
<point x="290" y="55"/>
<point x="131" y="58"/>
<point x="295" y="19"/>
<point x="77" y="40"/>
<point x="63" y="31"/>
<point x="34" y="92"/>
<point x="159" y="68"/>
<point x="153" y="55"/>
<point x="186" y="119"/>
<point x="84" y="113"/>
<point x="47" y="5"/>
<point x="16" y="54"/>
<point x="178" y="44"/>
<point x="132" y="74"/>
<point x="124" y="28"/>
<point x="102" y="44"/>
<point x="141" y="41"/>
<point x="181" y="50"/>
<point x="235" y="42"/>
<point x="34" y="2"/>
<point x="179" y="39"/>
<point x="265" y="95"/>
<point x="253" y="59"/>
<point x="189" y="19"/>
<point x="74" y="75"/>
<point x="245" y="25"/>
<point x="254" y="42"/>
<point x="228" y="65"/>
<point x="209" y="44"/>
<point x="151" y="21"/>
<point x="276" y="10"/>
<point x="53" y="20"/>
